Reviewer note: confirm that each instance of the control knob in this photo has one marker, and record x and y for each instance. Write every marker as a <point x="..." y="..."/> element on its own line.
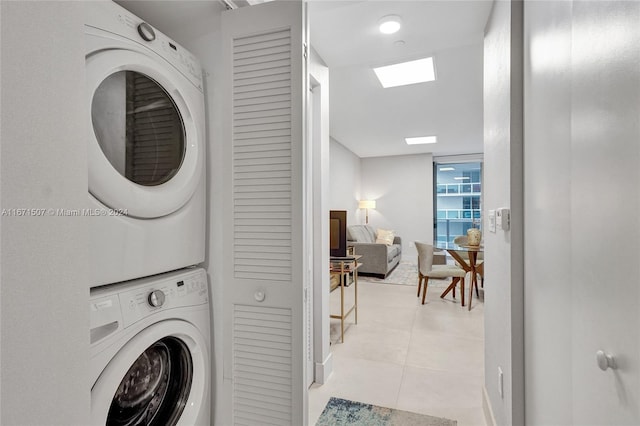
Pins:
<point x="146" y="32"/>
<point x="156" y="298"/>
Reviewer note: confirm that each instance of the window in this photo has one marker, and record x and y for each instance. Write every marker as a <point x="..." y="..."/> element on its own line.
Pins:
<point x="471" y="202"/>
<point x="457" y="199"/>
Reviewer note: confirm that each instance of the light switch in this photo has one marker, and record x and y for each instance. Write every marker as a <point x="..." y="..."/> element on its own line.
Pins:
<point x="503" y="219"/>
<point x="492" y="220"/>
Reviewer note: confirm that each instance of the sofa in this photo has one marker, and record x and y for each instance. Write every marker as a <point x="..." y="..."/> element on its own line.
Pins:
<point x="378" y="259"/>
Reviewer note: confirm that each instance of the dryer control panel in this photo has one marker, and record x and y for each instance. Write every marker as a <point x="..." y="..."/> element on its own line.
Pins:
<point x="111" y="17"/>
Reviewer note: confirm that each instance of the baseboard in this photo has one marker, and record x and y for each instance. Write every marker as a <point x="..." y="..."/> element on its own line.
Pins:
<point x="486" y="408"/>
<point x="324" y="369"/>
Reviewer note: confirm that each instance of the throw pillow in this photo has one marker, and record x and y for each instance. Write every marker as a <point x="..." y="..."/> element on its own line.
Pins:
<point x="385" y="236"/>
<point x="358" y="233"/>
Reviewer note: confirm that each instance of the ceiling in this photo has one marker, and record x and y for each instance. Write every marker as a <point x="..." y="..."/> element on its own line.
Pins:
<point x="182" y="20"/>
<point x="372" y="121"/>
<point x="364" y="117"/>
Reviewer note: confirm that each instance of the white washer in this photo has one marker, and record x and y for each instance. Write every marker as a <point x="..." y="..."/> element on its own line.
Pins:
<point x="146" y="147"/>
<point x="150" y="351"/>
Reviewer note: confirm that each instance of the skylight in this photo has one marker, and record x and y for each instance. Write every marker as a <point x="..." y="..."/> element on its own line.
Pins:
<point x="421" y="140"/>
<point x="412" y="72"/>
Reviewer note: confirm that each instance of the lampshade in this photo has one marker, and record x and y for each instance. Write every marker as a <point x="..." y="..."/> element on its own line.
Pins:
<point x="367" y="204"/>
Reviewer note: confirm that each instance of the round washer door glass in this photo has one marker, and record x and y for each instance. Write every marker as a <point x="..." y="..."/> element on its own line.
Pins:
<point x="138" y="127"/>
<point x="156" y="387"/>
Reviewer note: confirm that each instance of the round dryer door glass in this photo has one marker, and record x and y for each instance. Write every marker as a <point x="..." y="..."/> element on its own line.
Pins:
<point x="138" y="128"/>
<point x="156" y="388"/>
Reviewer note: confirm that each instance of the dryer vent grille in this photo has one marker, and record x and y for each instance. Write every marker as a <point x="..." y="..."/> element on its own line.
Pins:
<point x="262" y="220"/>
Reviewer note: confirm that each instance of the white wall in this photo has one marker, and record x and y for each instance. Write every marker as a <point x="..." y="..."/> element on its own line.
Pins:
<point x="548" y="288"/>
<point x="391" y="182"/>
<point x="44" y="287"/>
<point x="321" y="144"/>
<point x="401" y="185"/>
<point x="345" y="182"/>
<point x="582" y="104"/>
<point x="403" y="189"/>
<point x="503" y="188"/>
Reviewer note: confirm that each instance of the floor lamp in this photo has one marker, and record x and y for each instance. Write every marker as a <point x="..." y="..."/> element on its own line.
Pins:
<point x="367" y="204"/>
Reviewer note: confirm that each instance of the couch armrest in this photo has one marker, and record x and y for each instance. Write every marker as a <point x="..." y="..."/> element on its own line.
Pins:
<point x="374" y="257"/>
<point x="366" y="248"/>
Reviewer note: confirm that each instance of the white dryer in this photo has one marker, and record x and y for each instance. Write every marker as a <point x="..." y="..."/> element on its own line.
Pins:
<point x="146" y="147"/>
<point x="150" y="351"/>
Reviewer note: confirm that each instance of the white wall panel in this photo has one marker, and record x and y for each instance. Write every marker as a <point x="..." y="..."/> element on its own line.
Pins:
<point x="43" y="259"/>
<point x="582" y="105"/>
<point x="502" y="188"/>
<point x="403" y="189"/>
<point x="547" y="156"/>
<point x="345" y="182"/>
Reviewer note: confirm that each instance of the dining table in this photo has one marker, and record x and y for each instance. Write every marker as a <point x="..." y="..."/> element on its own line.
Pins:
<point x="467" y="257"/>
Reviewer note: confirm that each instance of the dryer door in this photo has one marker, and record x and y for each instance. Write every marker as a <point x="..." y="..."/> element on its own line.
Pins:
<point x="145" y="150"/>
<point x="157" y="378"/>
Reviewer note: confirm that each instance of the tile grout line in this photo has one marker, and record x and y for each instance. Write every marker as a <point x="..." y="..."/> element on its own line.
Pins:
<point x="404" y="363"/>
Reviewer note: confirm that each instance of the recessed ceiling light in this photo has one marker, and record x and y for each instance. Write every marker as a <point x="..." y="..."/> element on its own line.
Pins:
<point x="446" y="169"/>
<point x="389" y="24"/>
<point x="418" y="71"/>
<point x="421" y="140"/>
<point x="461" y="178"/>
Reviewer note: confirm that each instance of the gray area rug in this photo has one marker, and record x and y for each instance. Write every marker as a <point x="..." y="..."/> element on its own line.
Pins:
<point x="406" y="273"/>
<point x="344" y="412"/>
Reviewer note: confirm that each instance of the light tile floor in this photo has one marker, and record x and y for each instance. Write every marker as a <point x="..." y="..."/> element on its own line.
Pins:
<point x="423" y="358"/>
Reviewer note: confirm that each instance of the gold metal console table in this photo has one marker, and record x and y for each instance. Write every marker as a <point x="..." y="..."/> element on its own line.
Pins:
<point x="340" y="269"/>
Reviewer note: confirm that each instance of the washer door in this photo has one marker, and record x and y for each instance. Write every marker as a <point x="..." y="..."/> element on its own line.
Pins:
<point x="145" y="153"/>
<point x="157" y="378"/>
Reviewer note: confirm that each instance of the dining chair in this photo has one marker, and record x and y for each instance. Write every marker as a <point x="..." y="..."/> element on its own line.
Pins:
<point x="426" y="270"/>
<point x="462" y="240"/>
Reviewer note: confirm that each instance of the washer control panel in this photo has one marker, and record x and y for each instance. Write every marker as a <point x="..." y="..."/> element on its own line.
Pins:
<point x="156" y="298"/>
<point x="129" y="302"/>
<point x="168" y="291"/>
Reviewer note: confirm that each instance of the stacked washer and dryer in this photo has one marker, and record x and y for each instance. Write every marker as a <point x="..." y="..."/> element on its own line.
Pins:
<point x="149" y="303"/>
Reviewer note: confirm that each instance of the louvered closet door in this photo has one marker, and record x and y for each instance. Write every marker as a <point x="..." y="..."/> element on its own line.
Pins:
<point x="263" y="239"/>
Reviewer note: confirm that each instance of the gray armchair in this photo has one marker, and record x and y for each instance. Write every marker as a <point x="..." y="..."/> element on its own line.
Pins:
<point x="377" y="259"/>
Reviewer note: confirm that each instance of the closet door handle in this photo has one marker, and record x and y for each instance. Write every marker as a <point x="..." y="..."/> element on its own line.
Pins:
<point x="605" y="361"/>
